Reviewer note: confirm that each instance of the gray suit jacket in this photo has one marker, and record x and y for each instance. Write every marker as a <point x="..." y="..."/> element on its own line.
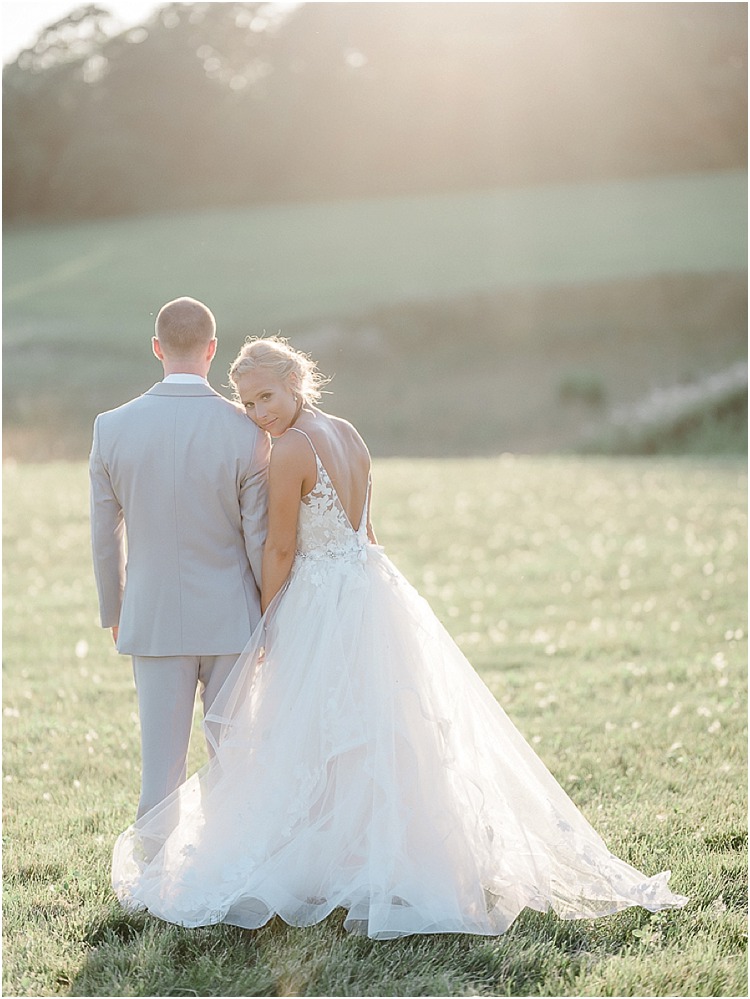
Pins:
<point x="178" y="521"/>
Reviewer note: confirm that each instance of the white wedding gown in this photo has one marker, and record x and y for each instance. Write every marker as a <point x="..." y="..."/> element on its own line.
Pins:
<point x="361" y="763"/>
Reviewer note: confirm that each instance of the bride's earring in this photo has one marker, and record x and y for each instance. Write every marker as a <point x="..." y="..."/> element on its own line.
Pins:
<point x="298" y="402"/>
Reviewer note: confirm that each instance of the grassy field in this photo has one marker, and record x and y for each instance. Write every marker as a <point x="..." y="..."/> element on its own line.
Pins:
<point x="265" y="267"/>
<point x="642" y="281"/>
<point x="603" y="601"/>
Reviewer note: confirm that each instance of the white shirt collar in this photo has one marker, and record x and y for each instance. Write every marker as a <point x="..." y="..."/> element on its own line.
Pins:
<point x="183" y="378"/>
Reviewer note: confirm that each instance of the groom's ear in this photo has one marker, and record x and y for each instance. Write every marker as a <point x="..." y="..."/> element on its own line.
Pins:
<point x="211" y="349"/>
<point x="156" y="347"/>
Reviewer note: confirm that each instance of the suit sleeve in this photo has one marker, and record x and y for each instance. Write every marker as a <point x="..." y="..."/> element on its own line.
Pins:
<point x="254" y="504"/>
<point x="107" y="536"/>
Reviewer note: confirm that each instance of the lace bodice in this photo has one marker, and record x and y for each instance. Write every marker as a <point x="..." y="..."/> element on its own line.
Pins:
<point x="323" y="529"/>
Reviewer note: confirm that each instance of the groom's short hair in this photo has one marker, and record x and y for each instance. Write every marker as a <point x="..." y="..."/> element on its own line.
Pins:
<point x="184" y="327"/>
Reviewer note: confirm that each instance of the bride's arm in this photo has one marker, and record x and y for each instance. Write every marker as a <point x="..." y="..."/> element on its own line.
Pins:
<point x="285" y="477"/>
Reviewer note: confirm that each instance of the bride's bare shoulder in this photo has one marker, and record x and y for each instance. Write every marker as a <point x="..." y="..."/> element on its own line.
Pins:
<point x="351" y="436"/>
<point x="290" y="448"/>
<point x="346" y="429"/>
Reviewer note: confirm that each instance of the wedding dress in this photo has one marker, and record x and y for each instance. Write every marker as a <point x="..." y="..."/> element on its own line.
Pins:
<point x="361" y="763"/>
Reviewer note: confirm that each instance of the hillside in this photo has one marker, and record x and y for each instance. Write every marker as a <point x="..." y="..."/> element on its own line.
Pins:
<point x="452" y="323"/>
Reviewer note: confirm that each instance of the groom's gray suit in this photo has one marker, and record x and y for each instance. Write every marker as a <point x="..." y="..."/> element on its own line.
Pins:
<point x="178" y="521"/>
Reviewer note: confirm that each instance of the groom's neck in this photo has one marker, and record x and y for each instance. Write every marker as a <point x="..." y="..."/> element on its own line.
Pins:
<point x="185" y="368"/>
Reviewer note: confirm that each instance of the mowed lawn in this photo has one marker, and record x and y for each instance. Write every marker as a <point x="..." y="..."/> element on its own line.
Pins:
<point x="603" y="601"/>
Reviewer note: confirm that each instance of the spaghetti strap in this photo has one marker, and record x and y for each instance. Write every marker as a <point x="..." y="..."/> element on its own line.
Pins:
<point x="308" y="439"/>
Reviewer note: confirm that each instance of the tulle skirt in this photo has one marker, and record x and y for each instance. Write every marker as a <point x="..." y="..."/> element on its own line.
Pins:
<point x="361" y="763"/>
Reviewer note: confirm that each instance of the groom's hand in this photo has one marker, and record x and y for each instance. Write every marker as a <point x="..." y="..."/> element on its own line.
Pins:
<point x="115" y="632"/>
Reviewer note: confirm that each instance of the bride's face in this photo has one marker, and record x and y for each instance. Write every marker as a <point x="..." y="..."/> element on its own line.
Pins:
<point x="269" y="402"/>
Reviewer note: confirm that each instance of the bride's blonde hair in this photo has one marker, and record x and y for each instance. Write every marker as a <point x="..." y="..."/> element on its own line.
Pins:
<point x="288" y="364"/>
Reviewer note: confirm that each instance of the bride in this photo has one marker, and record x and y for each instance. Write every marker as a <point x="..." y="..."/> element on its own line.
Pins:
<point x="359" y="762"/>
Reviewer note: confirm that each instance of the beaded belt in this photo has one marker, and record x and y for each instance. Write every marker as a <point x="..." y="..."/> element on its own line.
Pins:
<point x="342" y="553"/>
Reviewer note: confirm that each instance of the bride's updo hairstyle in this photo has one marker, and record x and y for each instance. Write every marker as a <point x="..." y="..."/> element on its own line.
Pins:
<point x="289" y="365"/>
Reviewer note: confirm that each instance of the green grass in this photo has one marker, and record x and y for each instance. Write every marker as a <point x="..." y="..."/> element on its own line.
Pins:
<point x="269" y="266"/>
<point x="604" y="603"/>
<point x="489" y="297"/>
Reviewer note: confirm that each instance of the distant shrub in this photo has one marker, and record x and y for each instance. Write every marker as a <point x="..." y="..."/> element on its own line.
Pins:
<point x="708" y="416"/>
<point x="582" y="386"/>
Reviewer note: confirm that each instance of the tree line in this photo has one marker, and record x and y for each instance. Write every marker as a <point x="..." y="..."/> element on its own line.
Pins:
<point x="210" y="104"/>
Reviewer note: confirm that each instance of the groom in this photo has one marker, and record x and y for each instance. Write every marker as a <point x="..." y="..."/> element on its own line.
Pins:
<point x="180" y="472"/>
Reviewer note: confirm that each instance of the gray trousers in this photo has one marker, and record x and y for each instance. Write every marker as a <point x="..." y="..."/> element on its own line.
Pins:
<point x="166" y="687"/>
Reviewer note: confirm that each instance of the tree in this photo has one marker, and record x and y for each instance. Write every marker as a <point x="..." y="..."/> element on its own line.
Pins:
<point x="235" y="103"/>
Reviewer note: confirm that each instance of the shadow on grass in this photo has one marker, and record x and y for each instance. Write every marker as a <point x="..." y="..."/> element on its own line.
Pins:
<point x="134" y="954"/>
<point x="116" y="925"/>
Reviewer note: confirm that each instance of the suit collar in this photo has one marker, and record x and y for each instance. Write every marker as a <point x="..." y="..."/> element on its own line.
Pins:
<point x="185" y="378"/>
<point x="182" y="389"/>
